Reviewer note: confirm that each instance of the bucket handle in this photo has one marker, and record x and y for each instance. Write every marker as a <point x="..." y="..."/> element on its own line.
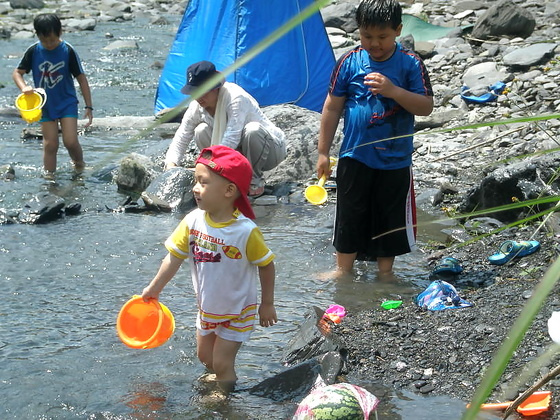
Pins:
<point x="146" y="343"/>
<point x="43" y="95"/>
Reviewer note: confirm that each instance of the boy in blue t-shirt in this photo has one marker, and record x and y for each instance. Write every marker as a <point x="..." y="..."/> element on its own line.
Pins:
<point x="379" y="86"/>
<point x="53" y="62"/>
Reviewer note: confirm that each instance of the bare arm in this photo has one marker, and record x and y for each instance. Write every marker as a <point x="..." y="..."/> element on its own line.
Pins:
<point x="17" y="75"/>
<point x="414" y="103"/>
<point x="168" y="268"/>
<point x="267" y="312"/>
<point x="330" y="117"/>
<point x="86" y="93"/>
<point x="183" y="136"/>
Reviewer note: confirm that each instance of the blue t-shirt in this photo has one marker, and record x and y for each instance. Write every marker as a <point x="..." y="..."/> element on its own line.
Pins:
<point x="368" y="117"/>
<point x="53" y="70"/>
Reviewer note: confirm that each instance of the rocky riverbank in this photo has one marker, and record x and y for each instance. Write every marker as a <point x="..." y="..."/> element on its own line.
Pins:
<point x="447" y="352"/>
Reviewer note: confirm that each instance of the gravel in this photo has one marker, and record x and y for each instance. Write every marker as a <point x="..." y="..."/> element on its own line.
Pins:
<point x="447" y="352"/>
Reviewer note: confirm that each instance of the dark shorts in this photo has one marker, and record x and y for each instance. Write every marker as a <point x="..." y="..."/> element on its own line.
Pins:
<point x="71" y="111"/>
<point x="375" y="211"/>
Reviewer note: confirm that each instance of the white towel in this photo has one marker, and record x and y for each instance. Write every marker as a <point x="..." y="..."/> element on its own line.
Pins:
<point x="220" y="117"/>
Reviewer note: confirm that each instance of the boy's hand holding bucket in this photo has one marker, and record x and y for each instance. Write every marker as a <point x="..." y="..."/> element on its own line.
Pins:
<point x="30" y="103"/>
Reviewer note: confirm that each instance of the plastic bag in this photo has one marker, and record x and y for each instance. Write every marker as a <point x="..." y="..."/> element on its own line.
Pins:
<point x="440" y="295"/>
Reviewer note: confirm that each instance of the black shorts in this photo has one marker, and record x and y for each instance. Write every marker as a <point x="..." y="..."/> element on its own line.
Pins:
<point x="375" y="211"/>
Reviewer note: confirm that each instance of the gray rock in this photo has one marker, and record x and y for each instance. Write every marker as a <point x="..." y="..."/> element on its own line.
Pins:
<point x="520" y="181"/>
<point x="504" y="18"/>
<point x="27" y="4"/>
<point x="482" y="225"/>
<point x="341" y="15"/>
<point x="424" y="48"/>
<point x="122" y="45"/>
<point x="483" y="75"/>
<point x="80" y="24"/>
<point x="529" y="56"/>
<point x="135" y="173"/>
<point x="173" y="187"/>
<point x="7" y="172"/>
<point x="42" y="208"/>
<point x="469" y="5"/>
<point x="301" y="127"/>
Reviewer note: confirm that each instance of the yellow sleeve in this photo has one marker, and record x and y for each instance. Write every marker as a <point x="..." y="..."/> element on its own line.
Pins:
<point x="257" y="251"/>
<point x="178" y="243"/>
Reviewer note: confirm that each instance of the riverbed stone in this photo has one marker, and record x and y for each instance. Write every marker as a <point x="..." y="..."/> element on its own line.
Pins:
<point x="80" y="24"/>
<point x="504" y="18"/>
<point x="27" y="4"/>
<point x="529" y="56"/>
<point x="135" y="173"/>
<point x="42" y="208"/>
<point x="173" y="187"/>
<point x="122" y="44"/>
<point x="483" y="75"/>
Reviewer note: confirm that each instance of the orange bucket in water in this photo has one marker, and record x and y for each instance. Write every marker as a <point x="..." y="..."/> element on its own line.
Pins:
<point x="144" y="325"/>
<point x="30" y="105"/>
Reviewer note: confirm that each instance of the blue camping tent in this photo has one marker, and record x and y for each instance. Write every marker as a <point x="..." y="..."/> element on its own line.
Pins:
<point x="295" y="69"/>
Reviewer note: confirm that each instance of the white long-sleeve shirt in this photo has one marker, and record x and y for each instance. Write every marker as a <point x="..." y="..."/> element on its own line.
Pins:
<point x="241" y="109"/>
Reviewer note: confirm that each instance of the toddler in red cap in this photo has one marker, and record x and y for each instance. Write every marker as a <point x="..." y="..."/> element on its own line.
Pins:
<point x="227" y="256"/>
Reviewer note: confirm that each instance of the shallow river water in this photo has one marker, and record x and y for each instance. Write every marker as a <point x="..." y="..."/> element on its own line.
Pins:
<point x="63" y="283"/>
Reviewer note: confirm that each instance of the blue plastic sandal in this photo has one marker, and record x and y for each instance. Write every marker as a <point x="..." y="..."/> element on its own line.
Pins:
<point x="513" y="249"/>
<point x="448" y="265"/>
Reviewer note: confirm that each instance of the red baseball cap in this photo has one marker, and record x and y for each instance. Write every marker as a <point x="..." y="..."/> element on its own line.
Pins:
<point x="233" y="166"/>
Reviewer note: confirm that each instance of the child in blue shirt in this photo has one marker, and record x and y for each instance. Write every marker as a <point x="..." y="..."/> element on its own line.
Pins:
<point x="379" y="86"/>
<point x="53" y="62"/>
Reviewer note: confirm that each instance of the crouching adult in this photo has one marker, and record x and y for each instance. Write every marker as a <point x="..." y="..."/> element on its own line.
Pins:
<point x="229" y="116"/>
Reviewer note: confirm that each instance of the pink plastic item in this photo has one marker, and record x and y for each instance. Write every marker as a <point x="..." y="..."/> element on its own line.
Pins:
<point x="335" y="313"/>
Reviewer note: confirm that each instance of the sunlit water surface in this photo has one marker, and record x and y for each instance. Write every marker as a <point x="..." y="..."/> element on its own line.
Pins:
<point x="63" y="283"/>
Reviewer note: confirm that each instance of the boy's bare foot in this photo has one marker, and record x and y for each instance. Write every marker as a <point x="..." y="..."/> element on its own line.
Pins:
<point x="48" y="175"/>
<point x="336" y="275"/>
<point x="213" y="398"/>
<point x="207" y="378"/>
<point x="386" y="276"/>
<point x="79" y="166"/>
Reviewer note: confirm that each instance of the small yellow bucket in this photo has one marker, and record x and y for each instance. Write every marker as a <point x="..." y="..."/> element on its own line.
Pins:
<point x="30" y="106"/>
<point x="317" y="194"/>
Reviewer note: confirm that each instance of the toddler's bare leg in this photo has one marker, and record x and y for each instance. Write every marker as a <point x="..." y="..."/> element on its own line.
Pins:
<point x="225" y="352"/>
<point x="205" y="349"/>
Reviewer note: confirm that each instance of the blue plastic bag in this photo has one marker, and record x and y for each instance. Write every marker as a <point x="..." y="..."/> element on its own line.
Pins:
<point x="493" y="92"/>
<point x="440" y="295"/>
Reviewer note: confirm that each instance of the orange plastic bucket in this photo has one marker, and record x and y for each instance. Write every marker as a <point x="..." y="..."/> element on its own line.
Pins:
<point x="30" y="105"/>
<point x="144" y="325"/>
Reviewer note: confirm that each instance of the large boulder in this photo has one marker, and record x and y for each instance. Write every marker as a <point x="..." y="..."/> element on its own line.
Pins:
<point x="504" y="19"/>
<point x="135" y="173"/>
<point x="521" y="181"/>
<point x="301" y="127"/>
<point x="174" y="187"/>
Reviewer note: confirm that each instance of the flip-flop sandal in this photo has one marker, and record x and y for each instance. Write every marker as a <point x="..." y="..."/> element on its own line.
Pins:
<point x="448" y="265"/>
<point x="256" y="192"/>
<point x="513" y="249"/>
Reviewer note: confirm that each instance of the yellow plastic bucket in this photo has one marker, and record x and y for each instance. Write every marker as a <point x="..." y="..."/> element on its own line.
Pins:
<point x="30" y="106"/>
<point x="144" y="325"/>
